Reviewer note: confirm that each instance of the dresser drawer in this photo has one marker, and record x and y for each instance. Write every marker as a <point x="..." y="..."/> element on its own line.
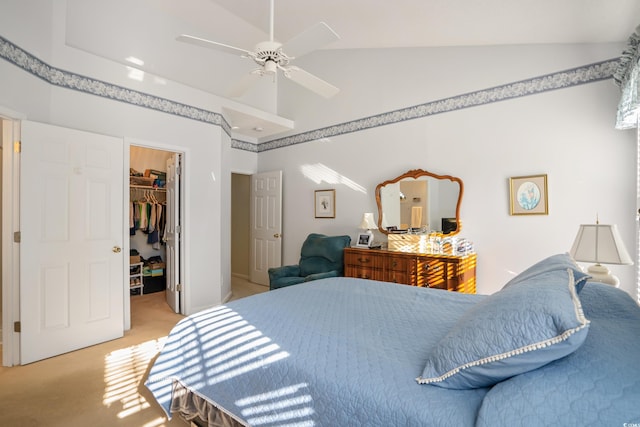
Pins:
<point x="397" y="263"/>
<point x="363" y="259"/>
<point x="432" y="273"/>
<point x="363" y="272"/>
<point x="399" y="277"/>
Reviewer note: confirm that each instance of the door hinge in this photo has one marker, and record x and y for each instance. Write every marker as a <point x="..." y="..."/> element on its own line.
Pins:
<point x="17" y="236"/>
<point x="179" y="287"/>
<point x="17" y="147"/>
<point x="178" y="170"/>
<point x="17" y="326"/>
<point x="178" y="230"/>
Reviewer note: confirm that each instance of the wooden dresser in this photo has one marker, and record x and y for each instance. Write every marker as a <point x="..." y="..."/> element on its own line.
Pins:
<point x="453" y="273"/>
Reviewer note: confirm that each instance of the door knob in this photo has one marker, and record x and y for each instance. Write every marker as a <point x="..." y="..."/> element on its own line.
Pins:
<point x="116" y="249"/>
<point x="277" y="235"/>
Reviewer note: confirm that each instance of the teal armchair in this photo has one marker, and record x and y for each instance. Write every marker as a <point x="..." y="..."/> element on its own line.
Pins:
<point x="321" y="256"/>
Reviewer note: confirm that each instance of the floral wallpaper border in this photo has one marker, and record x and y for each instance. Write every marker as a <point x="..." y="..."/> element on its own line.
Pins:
<point x="558" y="80"/>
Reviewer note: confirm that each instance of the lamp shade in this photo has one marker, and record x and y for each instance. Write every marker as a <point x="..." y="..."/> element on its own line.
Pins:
<point x="367" y="222"/>
<point x="600" y="243"/>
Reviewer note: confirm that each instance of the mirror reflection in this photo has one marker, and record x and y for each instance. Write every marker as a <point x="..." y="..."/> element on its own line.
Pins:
<point x="419" y="201"/>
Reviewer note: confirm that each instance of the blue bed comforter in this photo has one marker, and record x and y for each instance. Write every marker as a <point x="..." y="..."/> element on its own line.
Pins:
<point x="331" y="352"/>
<point x="597" y="385"/>
<point x="346" y="352"/>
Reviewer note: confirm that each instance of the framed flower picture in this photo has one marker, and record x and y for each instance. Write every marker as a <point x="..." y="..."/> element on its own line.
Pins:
<point x="528" y="195"/>
<point x="325" y="203"/>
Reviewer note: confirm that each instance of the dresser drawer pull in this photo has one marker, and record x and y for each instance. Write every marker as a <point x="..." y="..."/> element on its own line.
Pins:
<point x="364" y="276"/>
<point x="364" y="260"/>
<point x="394" y="263"/>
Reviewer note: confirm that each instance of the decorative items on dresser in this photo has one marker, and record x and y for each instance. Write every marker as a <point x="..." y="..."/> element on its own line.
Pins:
<point x="450" y="272"/>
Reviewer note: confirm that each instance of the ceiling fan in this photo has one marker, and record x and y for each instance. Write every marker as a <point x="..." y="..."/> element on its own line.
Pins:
<point x="270" y="56"/>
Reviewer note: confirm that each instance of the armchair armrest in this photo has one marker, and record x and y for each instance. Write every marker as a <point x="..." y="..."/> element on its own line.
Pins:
<point x="316" y="276"/>
<point x="284" y="271"/>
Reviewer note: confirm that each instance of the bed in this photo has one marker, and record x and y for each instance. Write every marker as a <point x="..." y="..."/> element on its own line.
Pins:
<point x="549" y="348"/>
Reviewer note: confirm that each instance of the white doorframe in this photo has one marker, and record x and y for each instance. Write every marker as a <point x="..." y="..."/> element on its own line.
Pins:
<point x="10" y="249"/>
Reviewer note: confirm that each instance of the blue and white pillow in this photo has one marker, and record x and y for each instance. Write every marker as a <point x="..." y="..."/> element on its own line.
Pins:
<point x="552" y="263"/>
<point x="520" y="328"/>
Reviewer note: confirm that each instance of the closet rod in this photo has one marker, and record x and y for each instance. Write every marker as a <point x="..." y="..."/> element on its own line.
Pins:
<point x="146" y="187"/>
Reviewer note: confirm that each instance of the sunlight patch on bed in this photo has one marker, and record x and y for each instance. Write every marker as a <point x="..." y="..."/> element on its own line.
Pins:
<point x="217" y="345"/>
<point x="319" y="173"/>
<point x="266" y="408"/>
<point x="123" y="371"/>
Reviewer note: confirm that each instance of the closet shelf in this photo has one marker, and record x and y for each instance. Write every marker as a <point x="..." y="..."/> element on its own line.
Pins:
<point x="147" y="187"/>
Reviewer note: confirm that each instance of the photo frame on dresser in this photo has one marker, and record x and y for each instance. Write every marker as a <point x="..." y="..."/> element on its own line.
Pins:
<point x="364" y="240"/>
<point x="325" y="203"/>
<point x="528" y="195"/>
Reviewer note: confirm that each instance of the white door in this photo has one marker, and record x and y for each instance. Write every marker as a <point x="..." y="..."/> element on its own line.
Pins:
<point x="172" y="234"/>
<point x="72" y="272"/>
<point x="266" y="225"/>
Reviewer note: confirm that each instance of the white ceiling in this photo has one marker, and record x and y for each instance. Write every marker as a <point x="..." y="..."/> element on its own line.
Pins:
<point x="411" y="23"/>
<point x="360" y="24"/>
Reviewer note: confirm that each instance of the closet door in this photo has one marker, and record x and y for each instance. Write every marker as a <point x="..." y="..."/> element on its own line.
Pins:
<point x="72" y="269"/>
<point x="172" y="234"/>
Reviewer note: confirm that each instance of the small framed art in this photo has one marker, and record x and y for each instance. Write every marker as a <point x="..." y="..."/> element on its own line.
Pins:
<point x="364" y="240"/>
<point x="528" y="195"/>
<point x="325" y="203"/>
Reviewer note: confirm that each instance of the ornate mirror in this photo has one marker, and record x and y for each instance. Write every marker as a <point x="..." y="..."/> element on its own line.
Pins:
<point x="419" y="201"/>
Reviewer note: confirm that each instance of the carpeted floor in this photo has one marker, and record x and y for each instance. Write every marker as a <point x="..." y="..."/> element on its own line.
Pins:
<point x="100" y="385"/>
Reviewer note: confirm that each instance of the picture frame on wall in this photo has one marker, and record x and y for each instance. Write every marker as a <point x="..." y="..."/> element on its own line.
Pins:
<point x="325" y="203"/>
<point x="528" y="195"/>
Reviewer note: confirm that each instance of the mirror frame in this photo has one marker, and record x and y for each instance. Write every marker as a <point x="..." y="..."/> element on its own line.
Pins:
<point x="415" y="174"/>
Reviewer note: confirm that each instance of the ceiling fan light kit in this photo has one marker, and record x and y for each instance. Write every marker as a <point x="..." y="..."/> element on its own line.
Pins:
<point x="271" y="57"/>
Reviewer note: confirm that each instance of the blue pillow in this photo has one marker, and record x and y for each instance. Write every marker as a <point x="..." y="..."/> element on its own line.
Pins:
<point x="513" y="331"/>
<point x="552" y="263"/>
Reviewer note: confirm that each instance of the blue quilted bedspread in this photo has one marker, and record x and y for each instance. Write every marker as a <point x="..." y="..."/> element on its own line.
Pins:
<point x="331" y="352"/>
<point x="346" y="352"/>
<point x="597" y="385"/>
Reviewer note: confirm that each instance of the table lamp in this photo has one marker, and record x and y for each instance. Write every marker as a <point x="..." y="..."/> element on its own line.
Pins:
<point x="601" y="244"/>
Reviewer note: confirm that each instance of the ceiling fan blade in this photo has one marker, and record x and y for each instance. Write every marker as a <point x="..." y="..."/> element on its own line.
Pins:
<point x="309" y="40"/>
<point x="242" y="85"/>
<point x="311" y="82"/>
<point x="213" y="45"/>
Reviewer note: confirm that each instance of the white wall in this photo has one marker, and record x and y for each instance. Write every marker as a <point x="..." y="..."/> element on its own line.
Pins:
<point x="567" y="134"/>
<point x="207" y="149"/>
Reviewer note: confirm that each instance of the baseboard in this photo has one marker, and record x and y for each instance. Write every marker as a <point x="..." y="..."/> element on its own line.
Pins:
<point x="240" y="276"/>
<point x="227" y="298"/>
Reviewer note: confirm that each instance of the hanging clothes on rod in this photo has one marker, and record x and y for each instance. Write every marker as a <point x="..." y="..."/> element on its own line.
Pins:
<point x="147" y="214"/>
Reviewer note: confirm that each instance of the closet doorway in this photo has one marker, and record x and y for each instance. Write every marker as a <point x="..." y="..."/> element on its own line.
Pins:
<point x="155" y="213"/>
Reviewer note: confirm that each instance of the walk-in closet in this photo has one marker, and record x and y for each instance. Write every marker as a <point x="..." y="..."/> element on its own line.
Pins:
<point x="147" y="220"/>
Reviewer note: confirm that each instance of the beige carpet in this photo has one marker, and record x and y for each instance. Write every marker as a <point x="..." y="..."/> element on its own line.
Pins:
<point x="96" y="386"/>
<point x="100" y="385"/>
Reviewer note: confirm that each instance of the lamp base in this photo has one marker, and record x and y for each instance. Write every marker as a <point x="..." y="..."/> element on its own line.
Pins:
<point x="600" y="273"/>
<point x="370" y="233"/>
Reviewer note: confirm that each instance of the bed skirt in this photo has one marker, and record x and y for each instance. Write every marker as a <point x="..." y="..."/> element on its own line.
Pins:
<point x="197" y="410"/>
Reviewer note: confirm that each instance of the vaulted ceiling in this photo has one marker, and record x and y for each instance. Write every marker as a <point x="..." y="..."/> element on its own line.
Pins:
<point x="146" y="29"/>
